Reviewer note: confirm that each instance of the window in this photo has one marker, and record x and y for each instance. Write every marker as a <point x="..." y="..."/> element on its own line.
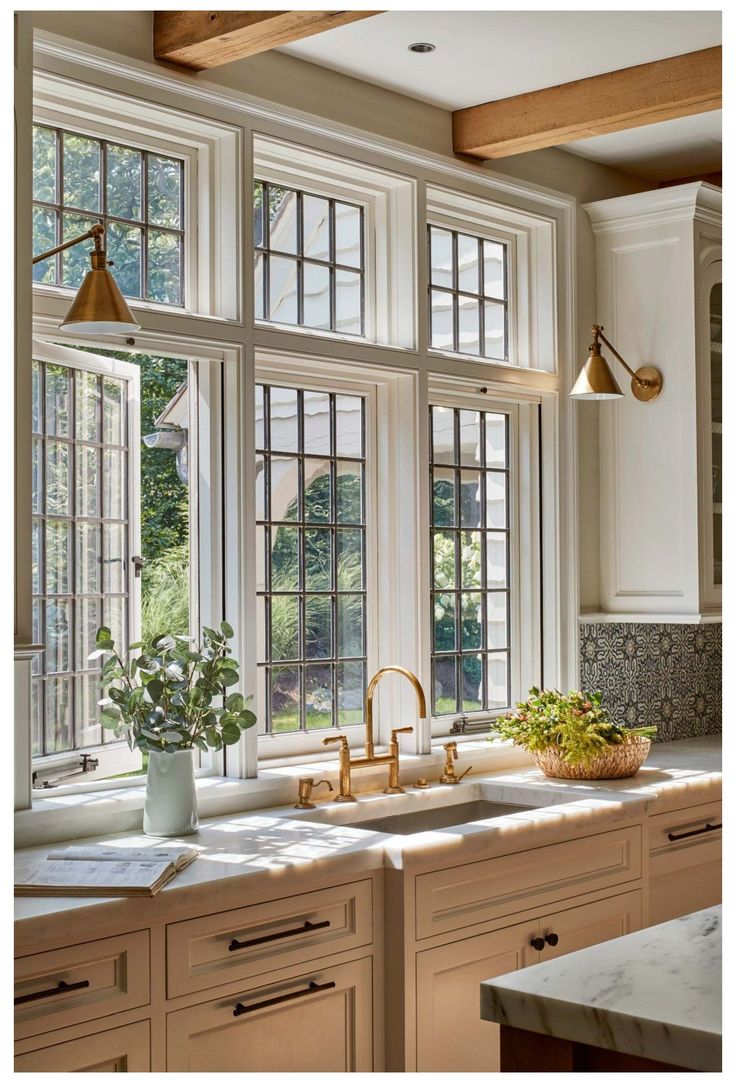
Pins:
<point x="137" y="195"/>
<point x="470" y="548"/>
<point x="309" y="261"/>
<point x="311" y="578"/>
<point x="468" y="294"/>
<point x="110" y="534"/>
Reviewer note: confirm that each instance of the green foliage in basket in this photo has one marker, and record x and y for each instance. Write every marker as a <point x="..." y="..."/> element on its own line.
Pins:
<point x="577" y="725"/>
<point x="167" y="694"/>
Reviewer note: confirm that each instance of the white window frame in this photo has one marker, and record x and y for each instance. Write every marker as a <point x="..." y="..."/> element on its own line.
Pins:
<point x="207" y="602"/>
<point x="389" y="214"/>
<point x="525" y="553"/>
<point x="116" y="757"/>
<point x="210" y="152"/>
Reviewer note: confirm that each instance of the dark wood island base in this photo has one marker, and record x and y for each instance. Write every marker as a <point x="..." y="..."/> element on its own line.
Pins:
<point x="527" y="1051"/>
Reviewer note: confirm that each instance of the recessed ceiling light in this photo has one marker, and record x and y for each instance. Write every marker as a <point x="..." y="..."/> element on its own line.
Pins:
<point x="422" y="47"/>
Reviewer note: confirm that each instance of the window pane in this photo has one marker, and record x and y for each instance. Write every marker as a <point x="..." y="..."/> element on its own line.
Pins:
<point x="442" y="334"/>
<point x="87" y="409"/>
<point x="496" y="440"/>
<point x="113" y="484"/>
<point x="58" y="723"/>
<point x="350" y="685"/>
<point x="282" y="219"/>
<point x="164" y="267"/>
<point x="349" y="492"/>
<point x="284" y="419"/>
<point x="318" y="696"/>
<point x="443" y="435"/>
<point x="316" y="216"/>
<point x="496" y="606"/>
<point x="348" y="235"/>
<point x="58" y="636"/>
<point x="58" y="557"/>
<point x="317" y="423"/>
<point x="349" y="559"/>
<point x="284" y="503"/>
<point x="81" y="172"/>
<point x="258" y="235"/>
<point x="285" y="697"/>
<point x="317" y="296"/>
<point x="37" y="476"/>
<point x="124" y="247"/>
<point x="445" y="575"/>
<point x="472" y="628"/>
<point x="349" y="425"/>
<point x="164" y="191"/>
<point x="495" y="499"/>
<point x="498" y="687"/>
<point x="472" y="678"/>
<point x="443" y="497"/>
<point x="37" y="397"/>
<point x="441" y="257"/>
<point x="285" y="558"/>
<point x="444" y="686"/>
<point x="45" y="225"/>
<point x="44" y="164"/>
<point x="114" y="413"/>
<point x="467" y="261"/>
<point x="318" y="559"/>
<point x="36" y="543"/>
<point x="348" y="288"/>
<point x="89" y="691"/>
<point x="470" y="558"/>
<point x="88" y="559"/>
<point x="445" y="622"/>
<point x="317" y="490"/>
<point x="75" y="262"/>
<point x="283" y="289"/>
<point x="318" y="626"/>
<point x="88" y="620"/>
<point x="58" y="400"/>
<point x="114" y="559"/>
<point x="124" y="175"/>
<point x="496" y="567"/>
<point x="58" y="482"/>
<point x="468" y="325"/>
<point x="495" y="323"/>
<point x="284" y="627"/>
<point x="87" y="461"/>
<point x="493" y="270"/>
<point x="470" y="498"/>
<point x="350" y="625"/>
<point x="469" y="437"/>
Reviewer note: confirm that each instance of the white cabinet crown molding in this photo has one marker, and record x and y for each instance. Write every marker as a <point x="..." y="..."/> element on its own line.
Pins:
<point x="698" y="200"/>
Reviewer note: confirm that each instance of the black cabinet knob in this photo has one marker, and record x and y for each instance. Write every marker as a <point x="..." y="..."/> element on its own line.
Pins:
<point x="537" y="943"/>
<point x="552" y="939"/>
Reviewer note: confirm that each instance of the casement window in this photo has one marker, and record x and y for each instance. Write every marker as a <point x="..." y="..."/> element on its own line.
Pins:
<point x="468" y="294"/>
<point x="309" y="260"/>
<point x="311" y="558"/>
<point x="113" y="451"/>
<point x="138" y="195"/>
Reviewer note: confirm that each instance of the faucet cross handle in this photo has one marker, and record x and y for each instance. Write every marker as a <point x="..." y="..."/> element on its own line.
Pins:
<point x="345" y="793"/>
<point x="394" y="785"/>
<point x="448" y="775"/>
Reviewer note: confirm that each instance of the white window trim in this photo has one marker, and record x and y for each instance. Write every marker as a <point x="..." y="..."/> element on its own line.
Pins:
<point x="211" y="155"/>
<point x="389" y="215"/>
<point x="115" y="757"/>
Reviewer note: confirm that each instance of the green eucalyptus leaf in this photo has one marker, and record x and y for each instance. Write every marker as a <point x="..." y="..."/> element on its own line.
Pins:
<point x="235" y="702"/>
<point x="230" y="734"/>
<point x="226" y="629"/>
<point x="103" y="634"/>
<point x="228" y="677"/>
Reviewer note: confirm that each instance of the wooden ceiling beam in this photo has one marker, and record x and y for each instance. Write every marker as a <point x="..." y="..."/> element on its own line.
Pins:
<point x="205" y="39"/>
<point x="644" y="94"/>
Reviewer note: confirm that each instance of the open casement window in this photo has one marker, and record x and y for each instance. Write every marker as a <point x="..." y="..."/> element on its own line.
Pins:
<point x="86" y="553"/>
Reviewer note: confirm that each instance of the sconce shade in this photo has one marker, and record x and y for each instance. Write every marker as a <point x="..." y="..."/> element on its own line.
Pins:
<point x="99" y="307"/>
<point x="596" y="381"/>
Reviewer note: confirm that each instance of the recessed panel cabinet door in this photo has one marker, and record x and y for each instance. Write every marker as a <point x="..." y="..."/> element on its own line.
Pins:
<point x="123" y="1049"/>
<point x="593" y="923"/>
<point x="451" y="1036"/>
<point x="321" y="1022"/>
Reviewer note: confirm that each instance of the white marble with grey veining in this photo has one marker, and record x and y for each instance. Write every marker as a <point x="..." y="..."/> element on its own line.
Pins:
<point x="655" y="993"/>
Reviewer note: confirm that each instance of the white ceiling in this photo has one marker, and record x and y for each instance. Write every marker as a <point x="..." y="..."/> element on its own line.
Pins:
<point x="486" y="55"/>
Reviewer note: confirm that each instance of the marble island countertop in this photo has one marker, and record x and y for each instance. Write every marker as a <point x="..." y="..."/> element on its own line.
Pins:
<point x="282" y="851"/>
<point x="655" y="993"/>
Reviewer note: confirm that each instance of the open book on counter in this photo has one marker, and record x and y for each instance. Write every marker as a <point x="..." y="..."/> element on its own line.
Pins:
<point x="105" y="870"/>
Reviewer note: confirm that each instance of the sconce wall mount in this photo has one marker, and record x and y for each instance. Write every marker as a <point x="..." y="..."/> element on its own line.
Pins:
<point x="596" y="381"/>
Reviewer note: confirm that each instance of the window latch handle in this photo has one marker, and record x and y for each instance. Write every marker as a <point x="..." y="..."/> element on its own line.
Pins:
<point x="137" y="563"/>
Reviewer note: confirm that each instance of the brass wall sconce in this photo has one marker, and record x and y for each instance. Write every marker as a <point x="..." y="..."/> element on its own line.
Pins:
<point x="596" y="381"/>
<point x="99" y="306"/>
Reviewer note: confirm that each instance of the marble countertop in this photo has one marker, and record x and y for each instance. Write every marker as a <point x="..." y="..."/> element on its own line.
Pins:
<point x="281" y="851"/>
<point x="655" y="993"/>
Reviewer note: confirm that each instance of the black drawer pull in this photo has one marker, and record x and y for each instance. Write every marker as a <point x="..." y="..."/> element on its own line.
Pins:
<point x="62" y="987"/>
<point x="698" y="831"/>
<point x="307" y="927"/>
<point x="552" y="939"/>
<point x="313" y="987"/>
<point x="537" y="943"/>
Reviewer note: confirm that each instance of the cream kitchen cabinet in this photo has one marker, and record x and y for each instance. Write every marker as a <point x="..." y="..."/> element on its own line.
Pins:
<point x="321" y="1021"/>
<point x="684" y="861"/>
<point x="451" y="1037"/>
<point x="122" y="1049"/>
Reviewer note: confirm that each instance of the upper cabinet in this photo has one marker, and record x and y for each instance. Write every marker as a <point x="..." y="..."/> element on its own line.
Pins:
<point x="658" y="263"/>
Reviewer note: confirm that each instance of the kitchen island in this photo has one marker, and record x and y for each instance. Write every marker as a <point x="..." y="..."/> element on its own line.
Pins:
<point x="646" y="1001"/>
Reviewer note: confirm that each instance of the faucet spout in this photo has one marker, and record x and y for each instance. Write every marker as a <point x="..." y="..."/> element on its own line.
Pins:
<point x="421" y="702"/>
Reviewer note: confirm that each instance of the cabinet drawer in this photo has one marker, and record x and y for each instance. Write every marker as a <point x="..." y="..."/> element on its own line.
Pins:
<point x="124" y="1049"/>
<point x="205" y="952"/>
<point x="686" y="827"/>
<point x="320" y="1022"/>
<point x="86" y="981"/>
<point x="473" y="893"/>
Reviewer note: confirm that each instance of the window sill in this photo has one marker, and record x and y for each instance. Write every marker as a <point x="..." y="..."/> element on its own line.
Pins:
<point x="68" y="816"/>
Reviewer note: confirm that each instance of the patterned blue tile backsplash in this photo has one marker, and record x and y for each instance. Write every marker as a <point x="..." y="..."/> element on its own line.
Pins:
<point x="668" y="675"/>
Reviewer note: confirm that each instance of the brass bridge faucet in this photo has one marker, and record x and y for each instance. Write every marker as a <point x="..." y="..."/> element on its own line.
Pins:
<point x="448" y="776"/>
<point x="392" y="756"/>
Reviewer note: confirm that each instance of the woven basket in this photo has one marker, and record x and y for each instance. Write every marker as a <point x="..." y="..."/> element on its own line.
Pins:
<point x="618" y="761"/>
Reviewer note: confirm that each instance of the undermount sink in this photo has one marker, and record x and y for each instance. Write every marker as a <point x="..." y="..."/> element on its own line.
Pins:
<point x="430" y="819"/>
